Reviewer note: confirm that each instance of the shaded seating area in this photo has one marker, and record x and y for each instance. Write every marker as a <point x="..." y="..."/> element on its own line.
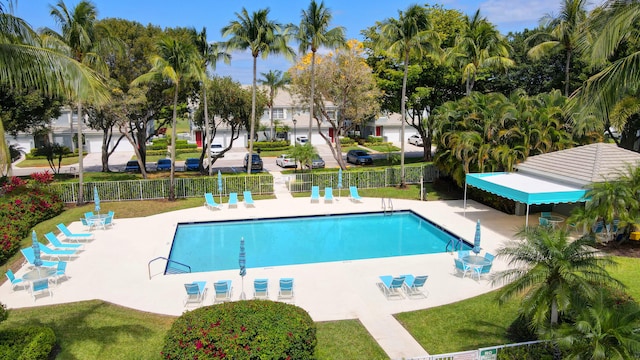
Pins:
<point x="223" y="291"/>
<point x="196" y="292"/>
<point x="261" y="289"/>
<point x="210" y="203"/>
<point x="286" y="289"/>
<point x="391" y="286"/>
<point x="353" y="194"/>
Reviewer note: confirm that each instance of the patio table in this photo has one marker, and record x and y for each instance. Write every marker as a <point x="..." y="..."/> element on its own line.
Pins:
<point x="476" y="262"/>
<point x="554" y="220"/>
<point x="97" y="220"/>
<point x="39" y="273"/>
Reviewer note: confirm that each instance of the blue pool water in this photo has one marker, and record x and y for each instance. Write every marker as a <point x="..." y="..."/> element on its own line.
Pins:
<point x="214" y="246"/>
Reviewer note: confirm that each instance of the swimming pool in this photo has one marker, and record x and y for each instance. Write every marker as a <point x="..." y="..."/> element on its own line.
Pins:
<point x="214" y="246"/>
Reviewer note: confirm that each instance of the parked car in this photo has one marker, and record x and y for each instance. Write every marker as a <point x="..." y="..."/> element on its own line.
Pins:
<point x="192" y="164"/>
<point x="285" y="161"/>
<point x="317" y="163"/>
<point x="256" y="162"/>
<point x="302" y="140"/>
<point x="163" y="164"/>
<point x="359" y="157"/>
<point x="132" y="166"/>
<point x="415" y="140"/>
<point x="216" y="150"/>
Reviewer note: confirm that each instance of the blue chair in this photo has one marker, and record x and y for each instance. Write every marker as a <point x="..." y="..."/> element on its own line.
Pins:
<point x="57" y="244"/>
<point x="30" y="257"/>
<point x="315" y="193"/>
<point x="483" y="270"/>
<point x="223" y="291"/>
<point x="463" y="253"/>
<point x="261" y="289"/>
<point x="413" y="286"/>
<point x="328" y="195"/>
<point x="108" y="222"/>
<point x="61" y="272"/>
<point x="544" y="222"/>
<point x="545" y="214"/>
<point x="87" y="224"/>
<point x="64" y="230"/>
<point x="286" y="289"/>
<point x="391" y="286"/>
<point x="14" y="281"/>
<point x="210" y="203"/>
<point x="353" y="194"/>
<point x="56" y="254"/>
<point x="196" y="292"/>
<point x="111" y="213"/>
<point x="233" y="199"/>
<point x="40" y="286"/>
<point x="248" y="199"/>
<point x="88" y="214"/>
<point x="461" y="267"/>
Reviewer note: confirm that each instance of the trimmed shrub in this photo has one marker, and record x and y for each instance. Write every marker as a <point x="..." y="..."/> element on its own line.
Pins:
<point x="375" y="140"/>
<point x="270" y="145"/>
<point x="252" y="329"/>
<point x="346" y="141"/>
<point x="27" y="343"/>
<point x="539" y="351"/>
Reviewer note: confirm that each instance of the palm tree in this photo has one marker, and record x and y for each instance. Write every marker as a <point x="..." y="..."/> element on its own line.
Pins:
<point x="275" y="80"/>
<point x="26" y="64"/>
<point x="79" y="36"/>
<point x="210" y="55"/>
<point x="176" y="62"/>
<point x="261" y="36"/>
<point x="549" y="270"/>
<point x="408" y="35"/>
<point x="479" y="46"/>
<point x="313" y="33"/>
<point x="566" y="31"/>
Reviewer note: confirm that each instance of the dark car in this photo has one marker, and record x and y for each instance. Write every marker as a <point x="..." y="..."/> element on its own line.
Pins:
<point x="192" y="164"/>
<point x="359" y="157"/>
<point x="163" y="164"/>
<point x="256" y="162"/>
<point x="132" y="166"/>
<point x="317" y="163"/>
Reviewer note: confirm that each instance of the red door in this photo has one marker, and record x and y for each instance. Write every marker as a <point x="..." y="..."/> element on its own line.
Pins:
<point x="199" y="138"/>
<point x="331" y="134"/>
<point x="378" y="130"/>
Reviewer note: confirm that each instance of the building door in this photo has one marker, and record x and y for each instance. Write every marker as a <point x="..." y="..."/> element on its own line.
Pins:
<point x="331" y="134"/>
<point x="199" y="138"/>
<point x="378" y="130"/>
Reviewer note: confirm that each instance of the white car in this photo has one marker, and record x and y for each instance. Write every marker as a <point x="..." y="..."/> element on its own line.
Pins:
<point x="216" y="150"/>
<point x="415" y="140"/>
<point x="302" y="140"/>
<point x="285" y="161"/>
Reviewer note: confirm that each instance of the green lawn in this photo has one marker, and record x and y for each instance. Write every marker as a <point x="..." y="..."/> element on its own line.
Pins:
<point x="45" y="164"/>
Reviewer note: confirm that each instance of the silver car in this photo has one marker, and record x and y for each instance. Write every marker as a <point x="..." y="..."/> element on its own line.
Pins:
<point x="317" y="163"/>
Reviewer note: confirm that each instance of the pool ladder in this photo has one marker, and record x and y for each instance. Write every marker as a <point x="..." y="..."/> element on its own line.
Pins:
<point x="454" y="242"/>
<point x="388" y="205"/>
<point x="173" y="267"/>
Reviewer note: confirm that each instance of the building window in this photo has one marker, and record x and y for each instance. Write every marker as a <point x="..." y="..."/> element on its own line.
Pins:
<point x="331" y="114"/>
<point x="278" y="113"/>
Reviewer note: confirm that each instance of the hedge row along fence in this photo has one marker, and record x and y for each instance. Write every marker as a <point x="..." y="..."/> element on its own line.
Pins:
<point x="152" y="189"/>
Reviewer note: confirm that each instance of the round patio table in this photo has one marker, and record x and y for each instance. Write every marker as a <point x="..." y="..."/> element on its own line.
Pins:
<point x="97" y="220"/>
<point x="554" y="220"/>
<point x="476" y="262"/>
<point x="39" y="273"/>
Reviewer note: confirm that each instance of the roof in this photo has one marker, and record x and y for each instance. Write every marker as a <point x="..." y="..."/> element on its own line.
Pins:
<point x="525" y="188"/>
<point x="581" y="165"/>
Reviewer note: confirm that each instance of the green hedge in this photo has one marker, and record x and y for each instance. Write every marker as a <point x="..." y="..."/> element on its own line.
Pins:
<point x="346" y="141"/>
<point x="163" y="144"/>
<point x="375" y="140"/>
<point x="27" y="343"/>
<point x="252" y="329"/>
<point x="271" y="145"/>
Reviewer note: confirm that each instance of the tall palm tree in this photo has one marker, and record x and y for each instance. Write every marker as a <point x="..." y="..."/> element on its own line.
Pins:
<point x="479" y="46"/>
<point x="210" y="55"/>
<point x="566" y="31"/>
<point x="410" y="34"/>
<point x="275" y="80"/>
<point x="79" y="35"/>
<point x="549" y="270"/>
<point x="313" y="33"/>
<point x="261" y="36"/>
<point x="175" y="62"/>
<point x="26" y="64"/>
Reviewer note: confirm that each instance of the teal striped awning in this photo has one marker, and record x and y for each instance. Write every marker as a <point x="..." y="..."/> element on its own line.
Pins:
<point x="525" y="188"/>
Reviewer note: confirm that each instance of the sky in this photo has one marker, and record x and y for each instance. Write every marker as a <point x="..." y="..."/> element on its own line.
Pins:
<point x="353" y="15"/>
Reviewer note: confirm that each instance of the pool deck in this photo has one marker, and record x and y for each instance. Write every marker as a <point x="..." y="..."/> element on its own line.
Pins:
<point x="114" y="267"/>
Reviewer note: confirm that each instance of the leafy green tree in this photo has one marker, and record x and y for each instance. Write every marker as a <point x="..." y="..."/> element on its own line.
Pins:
<point x="347" y="83"/>
<point x="479" y="46"/>
<point x="261" y="36"/>
<point x="303" y="154"/>
<point x="565" y="32"/>
<point x="78" y="37"/>
<point x="550" y="271"/>
<point x="25" y="64"/>
<point x="274" y="80"/>
<point x="409" y="34"/>
<point x="176" y="62"/>
<point x="313" y="33"/>
<point x="25" y="110"/>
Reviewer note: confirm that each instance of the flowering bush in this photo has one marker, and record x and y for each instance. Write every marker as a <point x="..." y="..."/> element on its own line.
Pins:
<point x="23" y="205"/>
<point x="253" y="329"/>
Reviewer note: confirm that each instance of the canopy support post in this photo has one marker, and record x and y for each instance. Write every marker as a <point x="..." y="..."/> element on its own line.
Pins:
<point x="464" y="204"/>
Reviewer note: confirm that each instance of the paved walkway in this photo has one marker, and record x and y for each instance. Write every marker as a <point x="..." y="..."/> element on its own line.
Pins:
<point x="115" y="268"/>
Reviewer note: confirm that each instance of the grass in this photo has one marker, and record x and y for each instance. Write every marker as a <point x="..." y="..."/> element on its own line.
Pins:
<point x="346" y="339"/>
<point x="383" y="148"/>
<point x="45" y="164"/>
<point x="411" y="192"/>
<point x="627" y="272"/>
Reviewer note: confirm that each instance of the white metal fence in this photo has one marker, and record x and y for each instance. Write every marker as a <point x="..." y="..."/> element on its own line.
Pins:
<point x="487" y="353"/>
<point x="378" y="178"/>
<point x="159" y="188"/>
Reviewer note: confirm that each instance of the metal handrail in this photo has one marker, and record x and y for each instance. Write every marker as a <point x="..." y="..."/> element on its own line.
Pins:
<point x="169" y="261"/>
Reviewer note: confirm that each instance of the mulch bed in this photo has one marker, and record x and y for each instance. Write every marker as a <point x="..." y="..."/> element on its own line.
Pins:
<point x="629" y="248"/>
